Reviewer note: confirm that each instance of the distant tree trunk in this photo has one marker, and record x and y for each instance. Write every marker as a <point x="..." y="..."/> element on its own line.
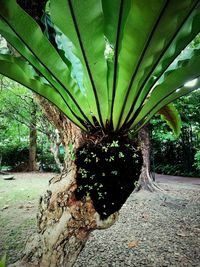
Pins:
<point x="146" y="180"/>
<point x="32" y="164"/>
<point x="64" y="223"/>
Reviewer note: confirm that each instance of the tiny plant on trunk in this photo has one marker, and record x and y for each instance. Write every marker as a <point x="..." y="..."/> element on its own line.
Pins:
<point x="104" y="173"/>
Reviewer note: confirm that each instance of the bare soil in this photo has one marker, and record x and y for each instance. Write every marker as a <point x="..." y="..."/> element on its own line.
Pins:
<point x="154" y="229"/>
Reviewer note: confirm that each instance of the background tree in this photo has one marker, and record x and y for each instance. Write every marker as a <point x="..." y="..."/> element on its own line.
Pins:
<point x="184" y="151"/>
<point x="107" y="87"/>
<point x="170" y="116"/>
<point x="176" y="156"/>
<point x="26" y="133"/>
<point x="13" y="109"/>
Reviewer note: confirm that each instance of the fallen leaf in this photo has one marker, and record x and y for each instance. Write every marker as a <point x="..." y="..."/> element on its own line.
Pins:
<point x="133" y="244"/>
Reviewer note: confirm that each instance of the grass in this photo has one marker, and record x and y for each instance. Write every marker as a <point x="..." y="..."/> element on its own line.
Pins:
<point x="3" y="261"/>
<point x="12" y="241"/>
<point x="21" y="189"/>
<point x="18" y="207"/>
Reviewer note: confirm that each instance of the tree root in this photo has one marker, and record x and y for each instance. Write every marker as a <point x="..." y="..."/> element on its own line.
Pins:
<point x="146" y="182"/>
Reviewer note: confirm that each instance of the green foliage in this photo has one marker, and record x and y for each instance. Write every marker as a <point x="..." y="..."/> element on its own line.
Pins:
<point x="3" y="262"/>
<point x="71" y="152"/>
<point x="170" y="155"/>
<point x="14" y="155"/>
<point x="16" y="107"/>
<point x="197" y="160"/>
<point x="196" y="41"/>
<point x="12" y="113"/>
<point x="121" y="78"/>
<point x="46" y="160"/>
<point x="172" y="118"/>
<point x="178" y="156"/>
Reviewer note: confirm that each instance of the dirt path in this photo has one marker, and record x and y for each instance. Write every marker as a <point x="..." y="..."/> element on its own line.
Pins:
<point x="177" y="179"/>
<point x="154" y="230"/>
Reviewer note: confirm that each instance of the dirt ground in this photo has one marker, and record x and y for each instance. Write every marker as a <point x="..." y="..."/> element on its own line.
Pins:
<point x="177" y="179"/>
<point x="19" y="200"/>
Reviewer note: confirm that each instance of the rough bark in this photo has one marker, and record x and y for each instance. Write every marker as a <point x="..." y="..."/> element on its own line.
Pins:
<point x="146" y="180"/>
<point x="68" y="133"/>
<point x="64" y="223"/>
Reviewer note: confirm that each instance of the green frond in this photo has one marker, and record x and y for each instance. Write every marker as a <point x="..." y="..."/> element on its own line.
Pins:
<point x="20" y="71"/>
<point x="170" y="114"/>
<point x="109" y="64"/>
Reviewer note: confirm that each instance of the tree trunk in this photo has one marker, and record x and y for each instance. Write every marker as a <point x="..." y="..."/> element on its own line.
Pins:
<point x="64" y="223"/>
<point x="146" y="180"/>
<point x="32" y="164"/>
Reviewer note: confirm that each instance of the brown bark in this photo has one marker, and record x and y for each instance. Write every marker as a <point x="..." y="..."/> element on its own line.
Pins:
<point x="146" y="181"/>
<point x="68" y="133"/>
<point x="64" y="223"/>
<point x="32" y="164"/>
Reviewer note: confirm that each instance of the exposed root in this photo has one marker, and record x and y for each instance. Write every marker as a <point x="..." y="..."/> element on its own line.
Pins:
<point x="146" y="182"/>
